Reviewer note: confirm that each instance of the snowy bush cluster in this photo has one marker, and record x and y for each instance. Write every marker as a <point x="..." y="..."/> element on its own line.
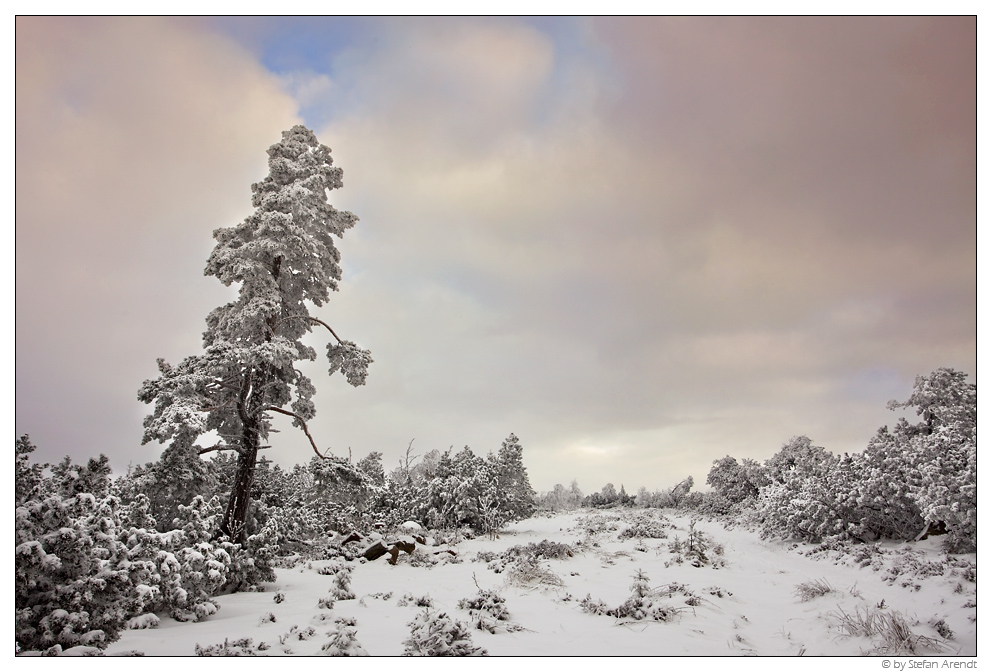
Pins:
<point x="910" y="481"/>
<point x="88" y="565"/>
<point x="916" y="479"/>
<point x="437" y="634"/>
<point x="644" y="602"/>
<point x="95" y="555"/>
<point x="646" y="527"/>
<point x="309" y="503"/>
<point x="488" y="612"/>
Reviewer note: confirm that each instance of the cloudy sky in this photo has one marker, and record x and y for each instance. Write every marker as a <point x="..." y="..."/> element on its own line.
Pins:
<point x="640" y="245"/>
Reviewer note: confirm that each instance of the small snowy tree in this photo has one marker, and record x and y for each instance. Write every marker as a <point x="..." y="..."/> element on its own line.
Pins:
<point x="437" y="634"/>
<point x="737" y="482"/>
<point x="174" y="480"/>
<point x="283" y="256"/>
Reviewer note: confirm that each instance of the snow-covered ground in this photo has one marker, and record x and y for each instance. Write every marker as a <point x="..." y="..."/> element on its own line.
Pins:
<point x="745" y="601"/>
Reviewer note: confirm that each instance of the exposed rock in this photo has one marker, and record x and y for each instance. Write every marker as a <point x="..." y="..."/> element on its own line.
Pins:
<point x="375" y="551"/>
<point x="407" y="547"/>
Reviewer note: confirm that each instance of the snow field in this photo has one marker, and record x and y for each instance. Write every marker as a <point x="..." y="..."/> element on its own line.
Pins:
<point x="744" y="602"/>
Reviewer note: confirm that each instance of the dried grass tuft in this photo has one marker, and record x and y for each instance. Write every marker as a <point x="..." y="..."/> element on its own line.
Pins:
<point x="811" y="590"/>
<point x="890" y="627"/>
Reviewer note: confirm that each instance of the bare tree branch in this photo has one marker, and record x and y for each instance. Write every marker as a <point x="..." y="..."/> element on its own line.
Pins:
<point x="312" y="319"/>
<point x="219" y="447"/>
<point x="302" y="424"/>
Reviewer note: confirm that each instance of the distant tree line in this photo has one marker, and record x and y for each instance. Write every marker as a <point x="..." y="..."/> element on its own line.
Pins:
<point x="910" y="481"/>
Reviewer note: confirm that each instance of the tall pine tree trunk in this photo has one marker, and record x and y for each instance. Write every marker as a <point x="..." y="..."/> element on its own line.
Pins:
<point x="233" y="524"/>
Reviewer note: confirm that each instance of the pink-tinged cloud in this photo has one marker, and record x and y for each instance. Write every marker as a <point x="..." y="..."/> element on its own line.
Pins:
<point x="639" y="244"/>
<point x="135" y="139"/>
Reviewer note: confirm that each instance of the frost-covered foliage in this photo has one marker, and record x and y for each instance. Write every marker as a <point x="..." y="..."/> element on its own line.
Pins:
<point x="437" y="634"/>
<point x="341" y="582"/>
<point x="71" y="583"/>
<point x="181" y="569"/>
<point x="488" y="612"/>
<point x="342" y="640"/>
<point x="907" y="480"/>
<point x="239" y="647"/>
<point x="646" y="526"/>
<point x="542" y="550"/>
<point x="530" y="573"/>
<point x="560" y="498"/>
<point x="253" y="560"/>
<point x="173" y="480"/>
<point x="737" y="482"/>
<point x="446" y="491"/>
<point x="944" y="448"/>
<point x="29" y="478"/>
<point x="284" y="257"/>
<point x="644" y="602"/>
<point x="88" y="566"/>
<point x="694" y="548"/>
<point x="890" y="632"/>
<point x="810" y="590"/>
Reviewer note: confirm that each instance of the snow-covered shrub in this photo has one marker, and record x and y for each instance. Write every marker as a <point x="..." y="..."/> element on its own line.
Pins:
<point x="488" y="611"/>
<point x="529" y="573"/>
<point x="142" y="622"/>
<point x="595" y="524"/>
<point x="423" y="601"/>
<point x="421" y="559"/>
<point x="341" y="581"/>
<point x="914" y="478"/>
<point x="252" y="563"/>
<point x="646" y="526"/>
<point x="342" y="642"/>
<point x="591" y="606"/>
<point x="717" y="591"/>
<point x="175" y="479"/>
<point x="645" y="603"/>
<point x="544" y="549"/>
<point x="188" y="568"/>
<point x="735" y="482"/>
<point x="71" y="582"/>
<point x="942" y="628"/>
<point x="437" y="634"/>
<point x="239" y="647"/>
<point x="485" y="556"/>
<point x="696" y="545"/>
<point x="944" y="450"/>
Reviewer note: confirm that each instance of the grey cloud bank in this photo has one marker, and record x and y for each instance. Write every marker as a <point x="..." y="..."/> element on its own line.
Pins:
<point x="703" y="238"/>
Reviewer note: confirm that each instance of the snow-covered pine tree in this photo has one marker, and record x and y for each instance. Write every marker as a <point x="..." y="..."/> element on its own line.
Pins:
<point x="514" y="496"/>
<point x="943" y="451"/>
<point x="283" y="256"/>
